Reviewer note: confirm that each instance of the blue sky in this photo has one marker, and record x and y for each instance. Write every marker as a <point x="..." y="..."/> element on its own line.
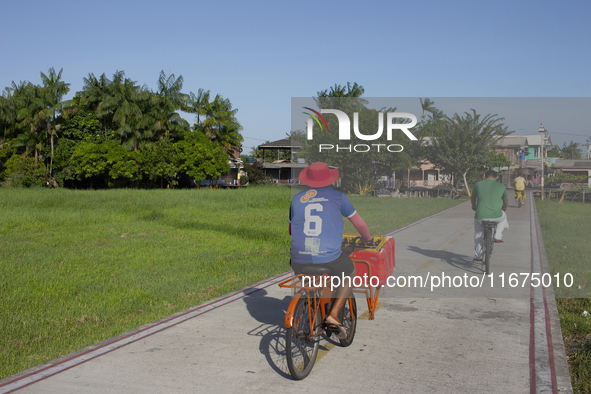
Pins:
<point x="260" y="54"/>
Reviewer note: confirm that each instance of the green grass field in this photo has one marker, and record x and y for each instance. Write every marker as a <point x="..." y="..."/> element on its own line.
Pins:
<point x="566" y="228"/>
<point x="78" y="267"/>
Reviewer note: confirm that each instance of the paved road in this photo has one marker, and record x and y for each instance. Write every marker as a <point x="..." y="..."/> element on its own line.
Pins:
<point x="446" y="339"/>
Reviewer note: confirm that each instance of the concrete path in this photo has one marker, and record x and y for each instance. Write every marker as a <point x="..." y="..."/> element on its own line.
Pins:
<point x="463" y="336"/>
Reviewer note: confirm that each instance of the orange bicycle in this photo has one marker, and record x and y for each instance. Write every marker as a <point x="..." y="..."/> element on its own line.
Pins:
<point x="311" y="303"/>
<point x="304" y="320"/>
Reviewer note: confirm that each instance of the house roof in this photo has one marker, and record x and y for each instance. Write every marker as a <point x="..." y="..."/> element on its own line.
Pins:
<point x="566" y="163"/>
<point x="281" y="144"/>
<point x="511" y="141"/>
<point x="536" y="139"/>
<point x="532" y="163"/>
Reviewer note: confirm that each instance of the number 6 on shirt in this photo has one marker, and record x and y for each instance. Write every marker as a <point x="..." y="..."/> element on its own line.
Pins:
<point x="309" y="218"/>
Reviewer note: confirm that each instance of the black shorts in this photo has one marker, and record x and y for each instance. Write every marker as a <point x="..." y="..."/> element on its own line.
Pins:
<point x="342" y="266"/>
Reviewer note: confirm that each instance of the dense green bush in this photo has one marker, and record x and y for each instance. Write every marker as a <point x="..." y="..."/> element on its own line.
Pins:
<point x="24" y="172"/>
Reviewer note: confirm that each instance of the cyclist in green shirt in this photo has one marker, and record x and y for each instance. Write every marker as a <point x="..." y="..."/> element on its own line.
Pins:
<point x="490" y="201"/>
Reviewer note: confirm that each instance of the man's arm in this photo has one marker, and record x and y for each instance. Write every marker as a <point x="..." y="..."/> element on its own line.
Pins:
<point x="361" y="227"/>
<point x="473" y="199"/>
<point x="505" y="204"/>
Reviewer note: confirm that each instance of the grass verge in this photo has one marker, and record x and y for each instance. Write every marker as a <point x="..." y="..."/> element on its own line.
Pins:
<point x="566" y="228"/>
<point x="78" y="267"/>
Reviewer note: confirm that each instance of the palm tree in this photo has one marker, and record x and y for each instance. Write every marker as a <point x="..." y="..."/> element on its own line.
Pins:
<point x="93" y="93"/>
<point x="121" y="103"/>
<point x="354" y="90"/>
<point x="332" y="98"/>
<point x="571" y="151"/>
<point x="53" y="91"/>
<point x="198" y="104"/>
<point x="8" y="111"/>
<point x="31" y="116"/>
<point x="141" y="129"/>
<point x="221" y="124"/>
<point x="169" y="98"/>
<point x="427" y="105"/>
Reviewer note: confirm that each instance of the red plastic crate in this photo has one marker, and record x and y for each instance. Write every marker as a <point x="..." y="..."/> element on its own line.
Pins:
<point x="381" y="257"/>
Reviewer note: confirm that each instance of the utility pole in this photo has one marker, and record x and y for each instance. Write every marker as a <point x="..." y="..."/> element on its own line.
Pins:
<point x="588" y="144"/>
<point x="543" y="130"/>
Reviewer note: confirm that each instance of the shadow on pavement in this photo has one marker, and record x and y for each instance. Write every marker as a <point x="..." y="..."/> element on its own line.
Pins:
<point x="270" y="312"/>
<point x="460" y="261"/>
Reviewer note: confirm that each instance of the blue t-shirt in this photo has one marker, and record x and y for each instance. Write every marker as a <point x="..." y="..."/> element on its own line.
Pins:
<point x="317" y="225"/>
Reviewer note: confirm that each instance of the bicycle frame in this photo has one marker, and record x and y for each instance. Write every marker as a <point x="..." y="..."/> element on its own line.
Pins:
<point x="371" y="294"/>
<point x="489" y="229"/>
<point x="306" y="314"/>
<point x="318" y="298"/>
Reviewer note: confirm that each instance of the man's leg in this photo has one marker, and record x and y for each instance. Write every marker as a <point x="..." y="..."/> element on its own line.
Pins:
<point x="341" y="296"/>
<point x="478" y="239"/>
<point x="502" y="223"/>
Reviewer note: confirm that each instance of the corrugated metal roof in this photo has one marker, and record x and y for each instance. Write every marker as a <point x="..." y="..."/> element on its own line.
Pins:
<point x="567" y="163"/>
<point x="284" y="143"/>
<point x="511" y="141"/>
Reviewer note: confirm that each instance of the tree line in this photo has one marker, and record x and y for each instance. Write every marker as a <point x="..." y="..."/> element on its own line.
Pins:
<point x="120" y="134"/>
<point x="115" y="132"/>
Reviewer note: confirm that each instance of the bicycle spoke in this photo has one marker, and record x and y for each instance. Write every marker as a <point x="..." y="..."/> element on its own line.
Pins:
<point x="301" y="345"/>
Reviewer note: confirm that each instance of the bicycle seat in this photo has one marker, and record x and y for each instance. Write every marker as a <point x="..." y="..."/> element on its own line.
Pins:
<point x="489" y="223"/>
<point x="312" y="269"/>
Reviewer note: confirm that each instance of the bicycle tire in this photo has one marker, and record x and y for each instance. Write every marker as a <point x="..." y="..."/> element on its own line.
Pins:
<point x="519" y="202"/>
<point x="349" y="320"/>
<point x="300" y="349"/>
<point x="488" y="241"/>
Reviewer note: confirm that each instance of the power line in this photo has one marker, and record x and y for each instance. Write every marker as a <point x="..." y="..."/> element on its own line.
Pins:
<point x="580" y="135"/>
<point x="250" y="138"/>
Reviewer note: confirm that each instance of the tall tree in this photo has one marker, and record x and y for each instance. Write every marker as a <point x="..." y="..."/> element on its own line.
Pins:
<point x="428" y="126"/>
<point x="198" y="104"/>
<point x="31" y="117"/>
<point x="554" y="152"/>
<point x="53" y="91"/>
<point x="169" y="99"/>
<point x="221" y="124"/>
<point x="571" y="151"/>
<point x="121" y="103"/>
<point x="93" y="93"/>
<point x="8" y="113"/>
<point x="427" y="105"/>
<point x="464" y="142"/>
<point x="349" y="90"/>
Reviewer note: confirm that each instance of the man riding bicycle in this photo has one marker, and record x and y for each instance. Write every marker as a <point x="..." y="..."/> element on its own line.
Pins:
<point x="316" y="230"/>
<point x="489" y="200"/>
<point x="519" y="183"/>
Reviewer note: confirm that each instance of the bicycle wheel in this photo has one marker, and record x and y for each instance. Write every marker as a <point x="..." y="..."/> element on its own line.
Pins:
<point x="519" y="202"/>
<point x="300" y="348"/>
<point x="348" y="317"/>
<point x="488" y="242"/>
